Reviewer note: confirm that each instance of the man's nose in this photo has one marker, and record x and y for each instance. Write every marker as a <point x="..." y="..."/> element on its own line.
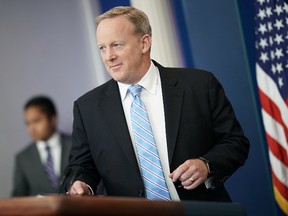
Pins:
<point x="110" y="55"/>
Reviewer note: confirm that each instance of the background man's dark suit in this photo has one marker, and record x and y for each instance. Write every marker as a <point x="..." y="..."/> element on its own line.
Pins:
<point x="199" y="122"/>
<point x="30" y="177"/>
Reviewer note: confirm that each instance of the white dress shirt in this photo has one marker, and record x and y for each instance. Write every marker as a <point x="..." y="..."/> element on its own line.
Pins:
<point x="55" y="146"/>
<point x="151" y="95"/>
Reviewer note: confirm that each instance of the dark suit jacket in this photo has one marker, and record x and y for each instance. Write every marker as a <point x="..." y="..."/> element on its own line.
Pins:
<point x="199" y="122"/>
<point x="30" y="177"/>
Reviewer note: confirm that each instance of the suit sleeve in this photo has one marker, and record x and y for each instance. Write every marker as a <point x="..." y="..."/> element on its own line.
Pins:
<point x="20" y="185"/>
<point x="231" y="147"/>
<point x="81" y="165"/>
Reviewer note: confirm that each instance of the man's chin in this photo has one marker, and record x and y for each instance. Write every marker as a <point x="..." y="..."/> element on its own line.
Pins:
<point x="118" y="78"/>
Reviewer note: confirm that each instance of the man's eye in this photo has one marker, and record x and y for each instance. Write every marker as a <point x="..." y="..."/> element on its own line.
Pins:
<point x="102" y="49"/>
<point x="117" y="45"/>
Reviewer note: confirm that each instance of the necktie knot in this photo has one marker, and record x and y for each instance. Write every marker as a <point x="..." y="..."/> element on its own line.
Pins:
<point x="47" y="147"/>
<point x="135" y="90"/>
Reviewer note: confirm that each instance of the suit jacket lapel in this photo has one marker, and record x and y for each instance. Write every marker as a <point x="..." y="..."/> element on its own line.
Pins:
<point x="172" y="99"/>
<point x="37" y="167"/>
<point x="113" y="111"/>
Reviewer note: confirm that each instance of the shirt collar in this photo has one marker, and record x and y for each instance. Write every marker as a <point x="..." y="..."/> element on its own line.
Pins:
<point x="53" y="141"/>
<point x="149" y="82"/>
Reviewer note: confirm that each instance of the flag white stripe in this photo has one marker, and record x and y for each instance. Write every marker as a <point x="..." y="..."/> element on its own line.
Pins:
<point x="268" y="86"/>
<point x="279" y="169"/>
<point x="274" y="129"/>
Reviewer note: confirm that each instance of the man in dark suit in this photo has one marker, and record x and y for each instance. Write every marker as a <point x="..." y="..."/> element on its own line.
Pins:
<point x="199" y="140"/>
<point x="31" y="175"/>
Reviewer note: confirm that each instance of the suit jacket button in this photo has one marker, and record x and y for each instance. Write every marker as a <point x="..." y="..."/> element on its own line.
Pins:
<point x="141" y="194"/>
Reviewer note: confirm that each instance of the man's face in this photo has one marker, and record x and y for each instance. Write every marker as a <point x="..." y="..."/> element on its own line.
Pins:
<point x="121" y="50"/>
<point x="39" y="125"/>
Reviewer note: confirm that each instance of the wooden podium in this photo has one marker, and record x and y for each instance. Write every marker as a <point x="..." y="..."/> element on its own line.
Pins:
<point x="84" y="205"/>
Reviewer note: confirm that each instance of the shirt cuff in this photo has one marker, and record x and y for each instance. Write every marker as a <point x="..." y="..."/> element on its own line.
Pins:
<point x="209" y="184"/>
<point x="91" y="190"/>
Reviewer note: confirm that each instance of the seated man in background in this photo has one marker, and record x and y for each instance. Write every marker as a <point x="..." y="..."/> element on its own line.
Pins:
<point x="40" y="165"/>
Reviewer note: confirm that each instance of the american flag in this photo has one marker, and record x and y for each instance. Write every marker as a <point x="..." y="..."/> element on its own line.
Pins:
<point x="272" y="79"/>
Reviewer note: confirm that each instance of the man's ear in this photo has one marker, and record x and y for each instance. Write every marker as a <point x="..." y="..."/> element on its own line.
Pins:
<point x="54" y="120"/>
<point x="146" y="43"/>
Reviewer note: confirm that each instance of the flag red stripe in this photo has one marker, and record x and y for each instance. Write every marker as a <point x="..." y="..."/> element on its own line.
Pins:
<point x="270" y="107"/>
<point x="277" y="150"/>
<point x="281" y="187"/>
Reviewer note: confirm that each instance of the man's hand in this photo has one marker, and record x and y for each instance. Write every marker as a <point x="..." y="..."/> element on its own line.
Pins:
<point x="191" y="173"/>
<point x="79" y="188"/>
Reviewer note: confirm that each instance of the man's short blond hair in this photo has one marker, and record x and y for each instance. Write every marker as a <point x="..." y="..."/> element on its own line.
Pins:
<point x="137" y="17"/>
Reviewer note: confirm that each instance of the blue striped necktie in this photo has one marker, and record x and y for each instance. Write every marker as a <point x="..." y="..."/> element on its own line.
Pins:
<point x="49" y="168"/>
<point x="150" y="165"/>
